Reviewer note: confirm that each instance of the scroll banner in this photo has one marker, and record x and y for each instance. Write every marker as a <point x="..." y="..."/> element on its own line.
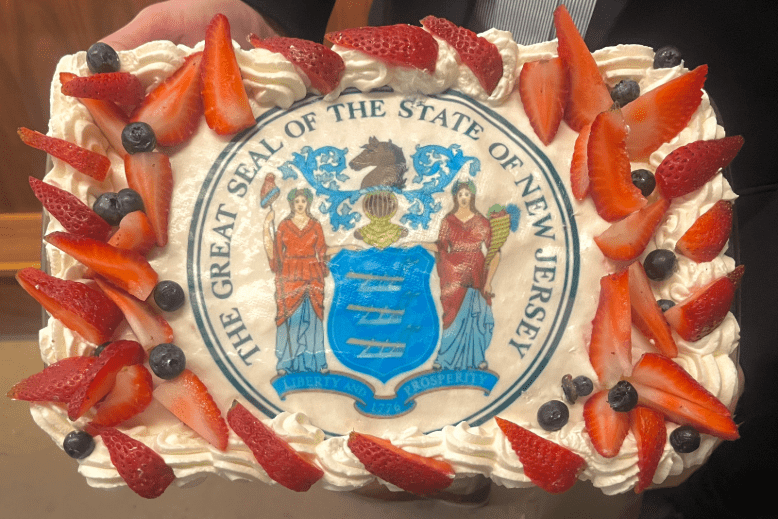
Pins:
<point x="379" y="406"/>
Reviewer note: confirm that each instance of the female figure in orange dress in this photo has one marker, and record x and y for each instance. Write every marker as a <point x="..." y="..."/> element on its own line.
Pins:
<point x="297" y="252"/>
<point x="465" y="283"/>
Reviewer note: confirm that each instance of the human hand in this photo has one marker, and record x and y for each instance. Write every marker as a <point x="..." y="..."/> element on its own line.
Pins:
<point x="184" y="22"/>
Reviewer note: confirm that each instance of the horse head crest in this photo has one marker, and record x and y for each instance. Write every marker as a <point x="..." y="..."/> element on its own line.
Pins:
<point x="388" y="163"/>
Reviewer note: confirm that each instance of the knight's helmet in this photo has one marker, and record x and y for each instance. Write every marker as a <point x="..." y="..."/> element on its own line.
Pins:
<point x="379" y="205"/>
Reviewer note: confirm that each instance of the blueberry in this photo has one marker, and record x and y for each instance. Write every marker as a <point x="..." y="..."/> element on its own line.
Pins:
<point x="583" y="385"/>
<point x="167" y="361"/>
<point x="553" y="415"/>
<point x="660" y="264"/>
<point x="667" y="57"/>
<point x="685" y="439"/>
<point x="665" y="304"/>
<point x="78" y="444"/>
<point x="129" y="201"/>
<point x="623" y="397"/>
<point x="625" y="92"/>
<point x="568" y="388"/>
<point x="644" y="180"/>
<point x="102" y="58"/>
<point x="107" y="207"/>
<point x="100" y="349"/>
<point x="169" y="295"/>
<point x="138" y="137"/>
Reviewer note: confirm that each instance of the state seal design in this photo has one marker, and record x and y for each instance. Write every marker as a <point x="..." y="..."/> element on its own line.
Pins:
<point x="396" y="254"/>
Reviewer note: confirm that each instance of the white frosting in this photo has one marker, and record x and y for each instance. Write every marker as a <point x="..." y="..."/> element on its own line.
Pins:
<point x="272" y="81"/>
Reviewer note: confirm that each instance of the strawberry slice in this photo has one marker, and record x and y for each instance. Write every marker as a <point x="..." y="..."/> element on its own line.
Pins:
<point x="708" y="235"/>
<point x="610" y="350"/>
<point x="144" y="471"/>
<point x="666" y="387"/>
<point x="703" y="311"/>
<point x="319" y="63"/>
<point x="124" y="268"/>
<point x="282" y="463"/>
<point x="610" y="174"/>
<point x="135" y="233"/>
<point x="659" y="372"/>
<point x="399" y="45"/>
<point x="648" y="427"/>
<point x="56" y="383"/>
<point x="548" y="465"/>
<point x="102" y="374"/>
<point x="151" y="176"/>
<point x="543" y="87"/>
<point x="411" y="472"/>
<point x="626" y="239"/>
<point x="79" y="307"/>
<point x="149" y="327"/>
<point x="86" y="161"/>
<point x="106" y="115"/>
<point x="187" y="397"/>
<point x="225" y="101"/>
<point x="477" y="53"/>
<point x="130" y="395"/>
<point x="74" y="215"/>
<point x="121" y="88"/>
<point x="588" y="94"/>
<point x="736" y="276"/>
<point x="579" y="167"/>
<point x="660" y="114"/>
<point x="606" y="428"/>
<point x="646" y="314"/>
<point x="690" y="167"/>
<point x="173" y="109"/>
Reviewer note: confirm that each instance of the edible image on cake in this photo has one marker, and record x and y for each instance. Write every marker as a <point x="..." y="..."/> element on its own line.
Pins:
<point x="404" y="252"/>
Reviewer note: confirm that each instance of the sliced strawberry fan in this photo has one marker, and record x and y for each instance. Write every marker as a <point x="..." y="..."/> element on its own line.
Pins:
<point x="548" y="465"/>
<point x="411" y="472"/>
<point x="121" y="88"/>
<point x="79" y="307"/>
<point x="74" y="215"/>
<point x="187" y="397"/>
<point x="107" y="116"/>
<point x="320" y="64"/>
<point x="477" y="53"/>
<point x="126" y="269"/>
<point x="174" y="108"/>
<point x="708" y="235"/>
<point x="86" y="161"/>
<point x="662" y="385"/>
<point x="610" y="174"/>
<point x="399" y="45"/>
<point x="588" y="94"/>
<point x="144" y="471"/>
<point x="225" y="101"/>
<point x="659" y="115"/>
<point x="543" y="87"/>
<point x="282" y="463"/>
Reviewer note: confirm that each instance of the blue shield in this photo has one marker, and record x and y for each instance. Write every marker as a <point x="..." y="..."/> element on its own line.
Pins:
<point x="382" y="320"/>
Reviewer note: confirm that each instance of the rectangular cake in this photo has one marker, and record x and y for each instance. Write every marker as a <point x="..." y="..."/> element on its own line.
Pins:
<point x="422" y="258"/>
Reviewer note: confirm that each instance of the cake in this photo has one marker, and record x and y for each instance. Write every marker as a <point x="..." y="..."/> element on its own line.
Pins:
<point x="407" y="267"/>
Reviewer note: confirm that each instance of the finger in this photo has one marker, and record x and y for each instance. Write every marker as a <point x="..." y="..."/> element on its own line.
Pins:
<point x="151" y="24"/>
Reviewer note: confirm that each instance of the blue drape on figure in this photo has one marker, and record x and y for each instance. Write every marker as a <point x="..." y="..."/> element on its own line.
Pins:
<point x="300" y="341"/>
<point x="464" y="343"/>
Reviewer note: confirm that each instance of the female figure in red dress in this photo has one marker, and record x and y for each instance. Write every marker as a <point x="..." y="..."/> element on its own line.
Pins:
<point x="297" y="257"/>
<point x="465" y="283"/>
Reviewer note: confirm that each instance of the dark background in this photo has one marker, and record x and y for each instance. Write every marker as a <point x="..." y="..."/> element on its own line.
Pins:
<point x="738" y="42"/>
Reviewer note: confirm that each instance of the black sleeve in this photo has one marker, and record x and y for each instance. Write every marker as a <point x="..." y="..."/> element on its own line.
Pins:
<point x="305" y="19"/>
